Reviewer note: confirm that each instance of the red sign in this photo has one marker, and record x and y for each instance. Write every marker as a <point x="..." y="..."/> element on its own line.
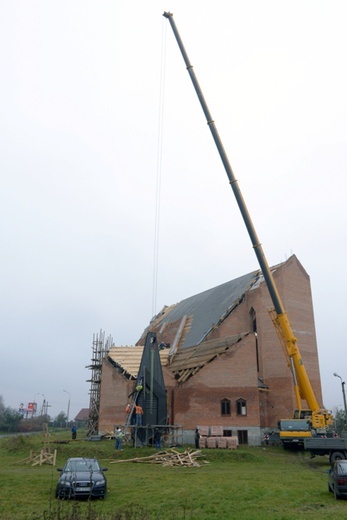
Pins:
<point x="32" y="407"/>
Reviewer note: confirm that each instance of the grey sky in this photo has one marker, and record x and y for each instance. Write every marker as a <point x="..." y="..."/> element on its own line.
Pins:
<point x="78" y="138"/>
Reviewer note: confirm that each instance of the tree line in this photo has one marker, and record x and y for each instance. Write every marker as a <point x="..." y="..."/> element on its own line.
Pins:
<point x="13" y="421"/>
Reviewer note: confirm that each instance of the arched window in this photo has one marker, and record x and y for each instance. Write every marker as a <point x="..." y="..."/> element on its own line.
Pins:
<point x="241" y="407"/>
<point x="225" y="407"/>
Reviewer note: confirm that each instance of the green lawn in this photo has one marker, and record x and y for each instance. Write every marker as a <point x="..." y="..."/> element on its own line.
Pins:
<point x="249" y="483"/>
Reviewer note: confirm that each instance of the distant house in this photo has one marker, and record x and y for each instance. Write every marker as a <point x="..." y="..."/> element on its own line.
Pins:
<point x="222" y="360"/>
<point x="82" y="417"/>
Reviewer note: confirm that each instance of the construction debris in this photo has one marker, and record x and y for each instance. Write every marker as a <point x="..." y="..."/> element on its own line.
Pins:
<point x="169" y="457"/>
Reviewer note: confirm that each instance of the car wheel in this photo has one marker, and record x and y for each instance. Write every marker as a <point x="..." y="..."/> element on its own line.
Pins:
<point x="329" y="488"/>
<point x="337" y="496"/>
<point x="337" y="455"/>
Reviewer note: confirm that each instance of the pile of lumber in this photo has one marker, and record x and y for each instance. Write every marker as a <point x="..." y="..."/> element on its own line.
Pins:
<point x="107" y="434"/>
<point x="169" y="457"/>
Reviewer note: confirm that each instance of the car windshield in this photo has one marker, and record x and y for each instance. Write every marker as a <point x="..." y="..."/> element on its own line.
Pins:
<point x="82" y="465"/>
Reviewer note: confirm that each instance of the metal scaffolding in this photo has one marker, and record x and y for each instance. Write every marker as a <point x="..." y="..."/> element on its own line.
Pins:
<point x="100" y="349"/>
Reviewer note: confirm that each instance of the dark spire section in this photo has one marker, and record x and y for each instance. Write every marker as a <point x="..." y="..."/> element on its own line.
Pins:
<point x="152" y="395"/>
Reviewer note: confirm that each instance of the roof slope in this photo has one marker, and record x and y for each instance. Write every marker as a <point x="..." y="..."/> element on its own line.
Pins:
<point x="83" y="415"/>
<point x="208" y="309"/>
<point x="189" y="360"/>
<point x="128" y="359"/>
<point x="183" y="330"/>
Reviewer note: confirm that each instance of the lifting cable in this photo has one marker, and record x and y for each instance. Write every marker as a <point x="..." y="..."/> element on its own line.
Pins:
<point x="159" y="169"/>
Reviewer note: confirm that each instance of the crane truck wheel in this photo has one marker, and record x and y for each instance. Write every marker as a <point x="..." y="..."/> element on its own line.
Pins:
<point x="336" y="455"/>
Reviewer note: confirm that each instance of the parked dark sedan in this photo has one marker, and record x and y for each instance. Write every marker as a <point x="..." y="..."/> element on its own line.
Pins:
<point x="81" y="477"/>
<point x="337" y="480"/>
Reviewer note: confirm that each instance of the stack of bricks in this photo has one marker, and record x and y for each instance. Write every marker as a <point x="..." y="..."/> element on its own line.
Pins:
<point x="222" y="442"/>
<point x="232" y="443"/>
<point x="216" y="431"/>
<point x="204" y="432"/>
<point x="212" y="437"/>
<point x="211" y="442"/>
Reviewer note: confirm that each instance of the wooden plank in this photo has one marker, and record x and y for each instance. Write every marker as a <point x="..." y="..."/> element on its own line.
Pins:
<point x="167" y="458"/>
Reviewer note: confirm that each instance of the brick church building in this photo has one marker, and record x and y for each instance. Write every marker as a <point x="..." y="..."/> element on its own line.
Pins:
<point x="222" y="360"/>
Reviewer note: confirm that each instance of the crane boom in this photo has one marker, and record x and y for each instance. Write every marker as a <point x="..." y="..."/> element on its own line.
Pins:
<point x="302" y="385"/>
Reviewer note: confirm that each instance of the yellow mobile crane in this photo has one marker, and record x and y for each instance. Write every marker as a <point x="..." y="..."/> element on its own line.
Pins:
<point x="304" y="421"/>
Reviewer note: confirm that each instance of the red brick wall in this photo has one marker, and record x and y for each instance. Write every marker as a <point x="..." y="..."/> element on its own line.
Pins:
<point x="113" y="397"/>
<point x="234" y="374"/>
<point x="231" y="376"/>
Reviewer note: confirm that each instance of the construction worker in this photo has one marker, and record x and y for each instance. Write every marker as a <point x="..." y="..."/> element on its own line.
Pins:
<point x="157" y="438"/>
<point x="138" y="414"/>
<point x="197" y="438"/>
<point x="74" y="432"/>
<point x="139" y="385"/>
<point x="119" y="437"/>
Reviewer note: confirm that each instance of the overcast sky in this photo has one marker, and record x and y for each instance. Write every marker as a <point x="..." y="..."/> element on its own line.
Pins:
<point x="81" y="131"/>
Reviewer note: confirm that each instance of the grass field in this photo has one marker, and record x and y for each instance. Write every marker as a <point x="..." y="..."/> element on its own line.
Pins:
<point x="246" y="484"/>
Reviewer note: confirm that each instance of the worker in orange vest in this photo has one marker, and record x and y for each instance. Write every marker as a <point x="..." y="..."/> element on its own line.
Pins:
<point x="139" y="414"/>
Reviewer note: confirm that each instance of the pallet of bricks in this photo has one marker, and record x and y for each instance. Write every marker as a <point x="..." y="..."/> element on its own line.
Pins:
<point x="212" y="437"/>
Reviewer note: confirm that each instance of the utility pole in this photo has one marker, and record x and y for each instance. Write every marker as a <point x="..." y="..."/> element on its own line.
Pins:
<point x="344" y="396"/>
<point x="68" y="408"/>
